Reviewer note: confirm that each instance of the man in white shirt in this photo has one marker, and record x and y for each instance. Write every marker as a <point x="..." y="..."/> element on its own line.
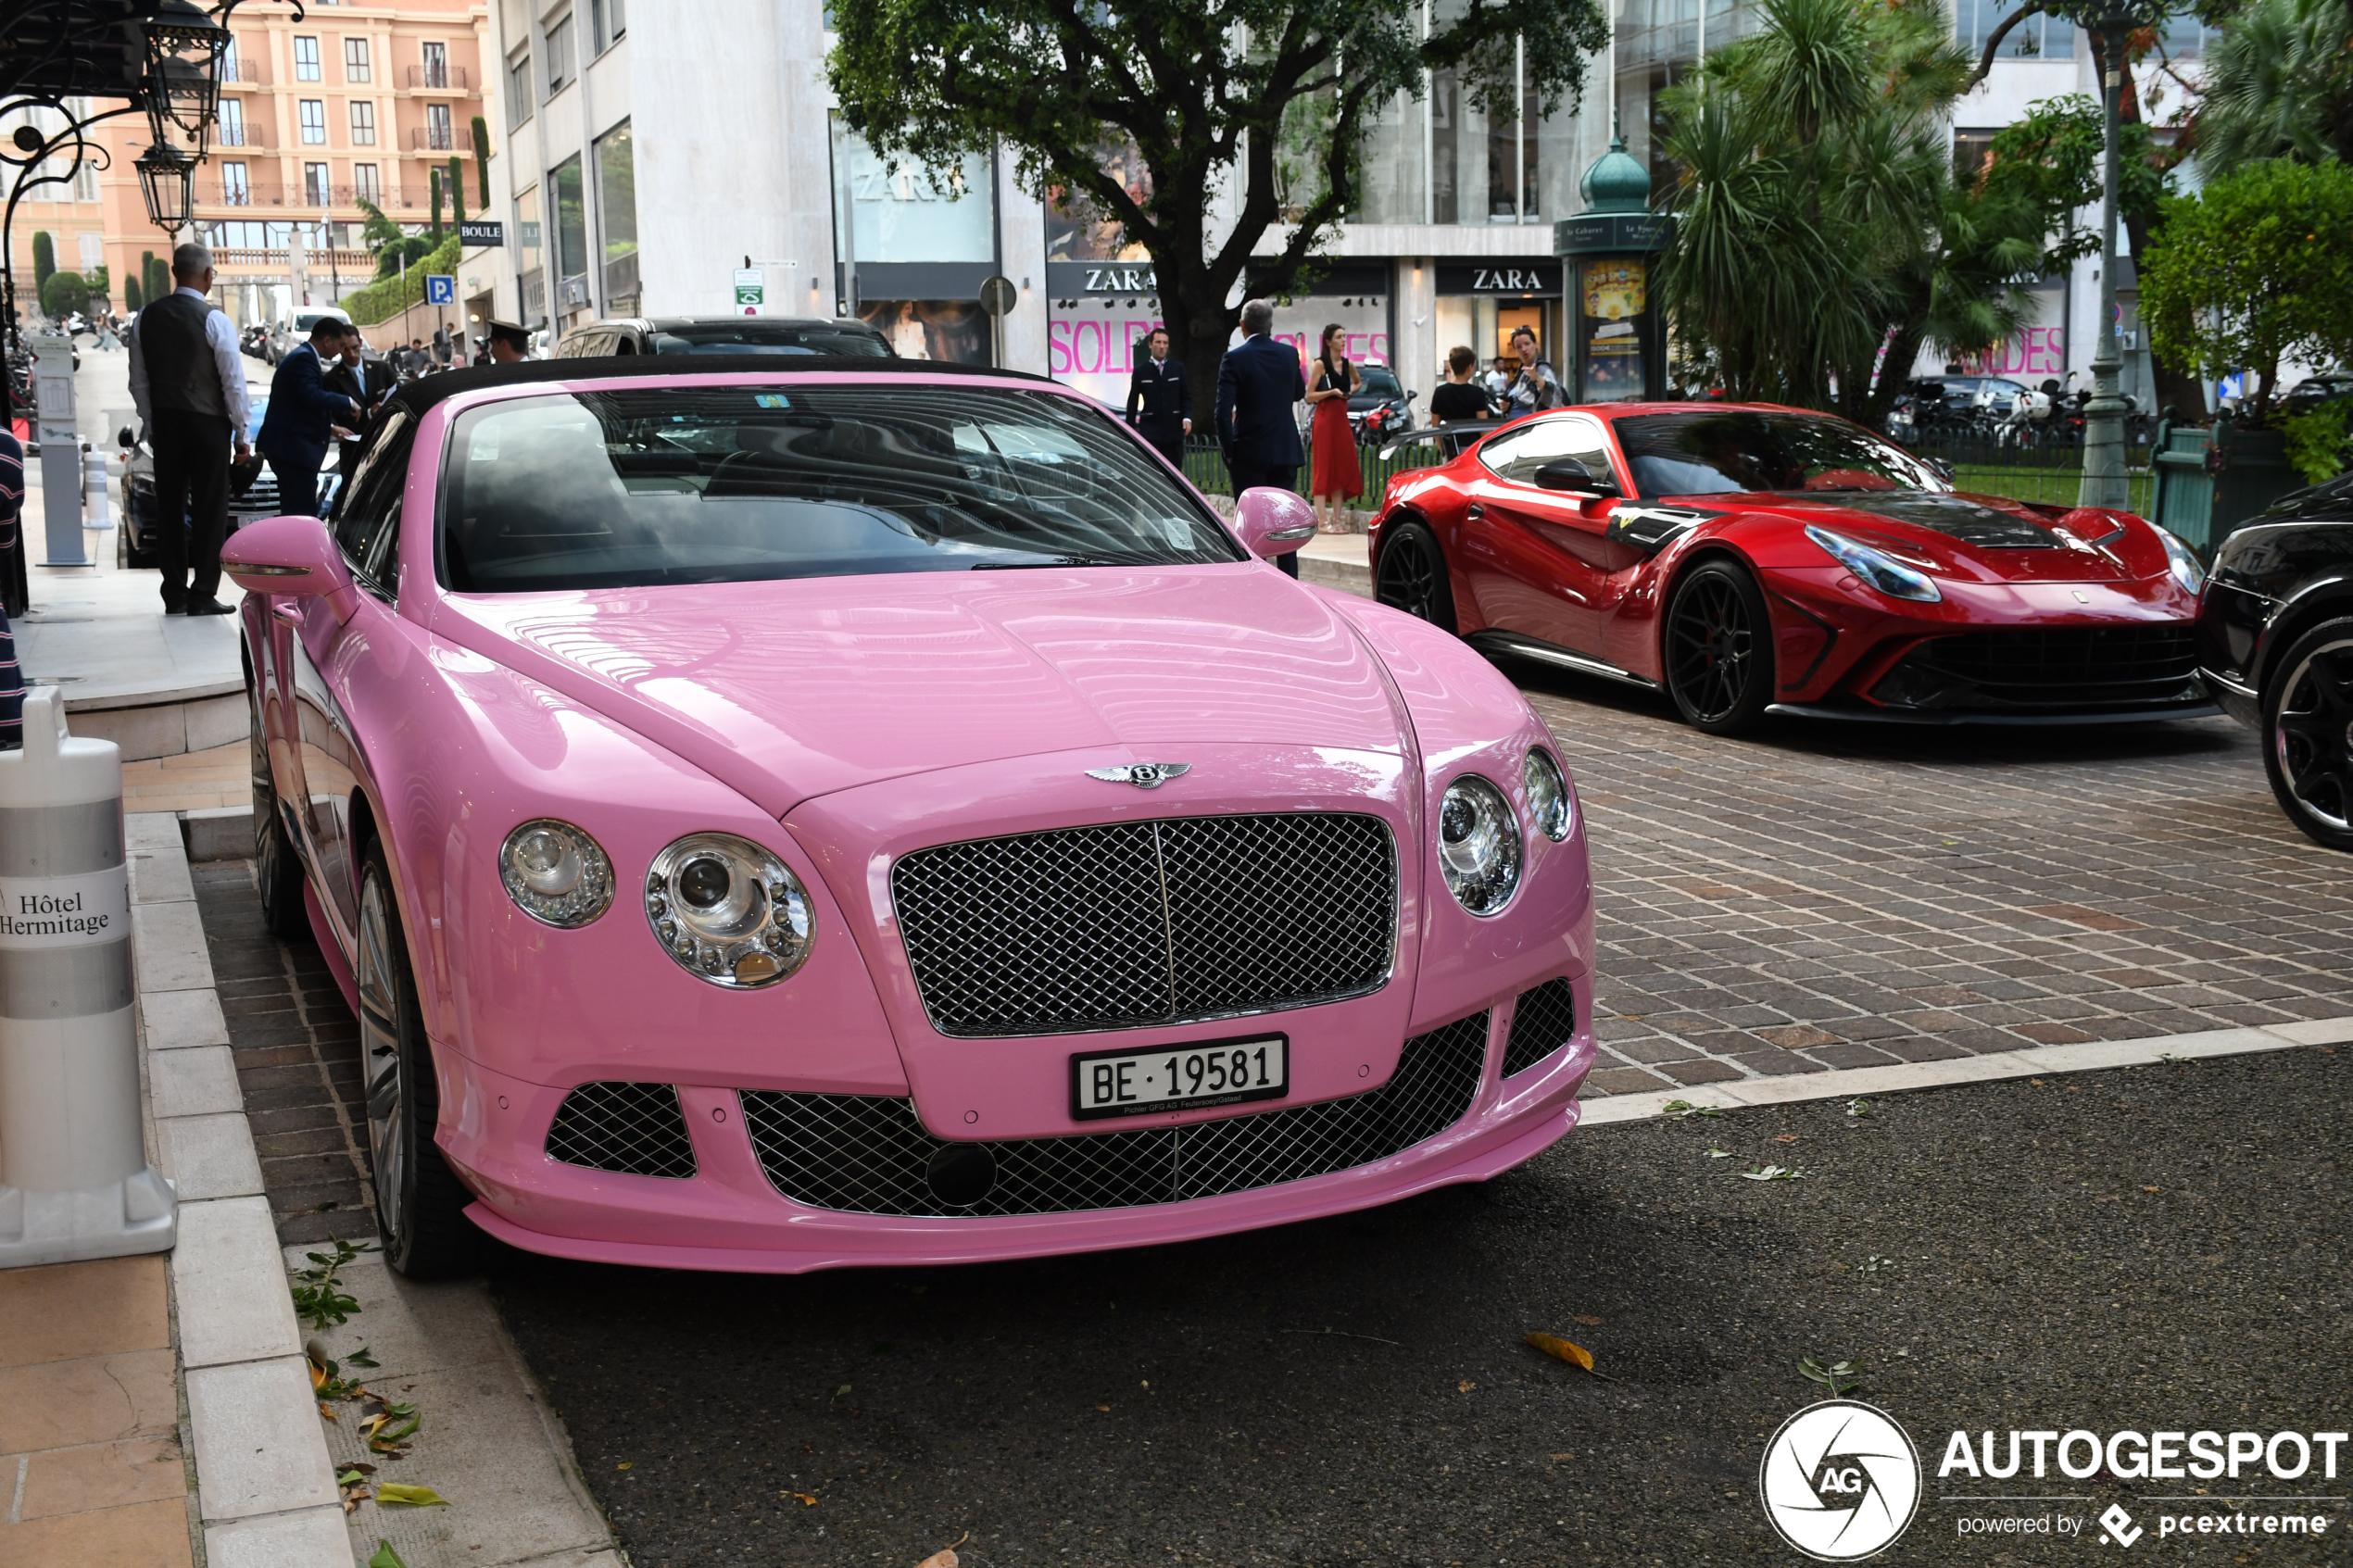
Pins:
<point x="189" y="383"/>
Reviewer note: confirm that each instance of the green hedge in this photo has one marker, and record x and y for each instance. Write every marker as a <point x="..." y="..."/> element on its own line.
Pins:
<point x="385" y="298"/>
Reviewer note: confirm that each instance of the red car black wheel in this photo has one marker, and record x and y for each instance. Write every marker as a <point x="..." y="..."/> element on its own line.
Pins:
<point x="1413" y="575"/>
<point x="1719" y="649"/>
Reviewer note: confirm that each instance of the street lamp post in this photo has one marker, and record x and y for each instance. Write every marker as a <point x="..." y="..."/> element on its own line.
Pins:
<point x="2104" y="483"/>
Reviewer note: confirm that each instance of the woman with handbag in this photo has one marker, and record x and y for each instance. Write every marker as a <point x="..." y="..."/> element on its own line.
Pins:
<point x="1335" y="477"/>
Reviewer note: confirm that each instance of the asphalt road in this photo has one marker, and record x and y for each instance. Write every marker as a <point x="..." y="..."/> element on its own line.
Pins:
<point x="2162" y="1248"/>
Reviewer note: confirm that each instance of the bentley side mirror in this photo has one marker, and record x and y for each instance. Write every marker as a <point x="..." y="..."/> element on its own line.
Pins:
<point x="1273" y="521"/>
<point x="1567" y="473"/>
<point x="289" y="554"/>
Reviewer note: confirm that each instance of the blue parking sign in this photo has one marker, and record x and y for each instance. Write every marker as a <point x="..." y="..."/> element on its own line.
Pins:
<point x="440" y="289"/>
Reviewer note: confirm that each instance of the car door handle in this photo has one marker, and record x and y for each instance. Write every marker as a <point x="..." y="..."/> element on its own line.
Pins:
<point x="1477" y="511"/>
<point x="290" y="612"/>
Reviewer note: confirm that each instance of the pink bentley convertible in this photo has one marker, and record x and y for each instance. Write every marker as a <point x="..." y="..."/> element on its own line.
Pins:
<point x="776" y="820"/>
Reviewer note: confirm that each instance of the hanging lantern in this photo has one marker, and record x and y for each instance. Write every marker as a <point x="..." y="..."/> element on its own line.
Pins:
<point x="182" y="84"/>
<point x="167" y="177"/>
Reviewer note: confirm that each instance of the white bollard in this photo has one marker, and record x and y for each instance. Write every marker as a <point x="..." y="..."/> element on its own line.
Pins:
<point x="74" y="1177"/>
<point x="94" y="511"/>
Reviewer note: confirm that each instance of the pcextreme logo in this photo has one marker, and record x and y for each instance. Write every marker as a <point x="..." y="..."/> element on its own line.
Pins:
<point x="1840" y="1481"/>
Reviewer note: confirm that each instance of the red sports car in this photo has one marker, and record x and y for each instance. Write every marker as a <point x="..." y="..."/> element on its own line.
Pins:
<point x="1752" y="559"/>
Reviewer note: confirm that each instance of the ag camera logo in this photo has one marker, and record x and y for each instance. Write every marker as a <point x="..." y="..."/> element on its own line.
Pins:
<point x="1840" y="1480"/>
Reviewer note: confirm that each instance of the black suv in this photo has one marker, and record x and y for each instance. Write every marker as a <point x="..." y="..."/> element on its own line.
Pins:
<point x="2275" y="639"/>
<point x="725" y="334"/>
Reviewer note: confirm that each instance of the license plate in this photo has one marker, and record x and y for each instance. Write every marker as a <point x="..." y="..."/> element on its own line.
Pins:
<point x="1186" y="1078"/>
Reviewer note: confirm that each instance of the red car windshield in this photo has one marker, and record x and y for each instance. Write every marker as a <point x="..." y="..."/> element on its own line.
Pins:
<point x="1715" y="451"/>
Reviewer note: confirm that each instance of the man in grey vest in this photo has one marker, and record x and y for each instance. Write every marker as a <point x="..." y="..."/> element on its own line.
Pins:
<point x="190" y="386"/>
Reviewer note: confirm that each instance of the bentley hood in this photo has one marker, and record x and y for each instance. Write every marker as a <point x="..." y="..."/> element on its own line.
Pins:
<point x="788" y="690"/>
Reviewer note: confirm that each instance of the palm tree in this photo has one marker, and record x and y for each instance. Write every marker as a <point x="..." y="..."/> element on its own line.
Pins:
<point x="1820" y="233"/>
<point x="2279" y="83"/>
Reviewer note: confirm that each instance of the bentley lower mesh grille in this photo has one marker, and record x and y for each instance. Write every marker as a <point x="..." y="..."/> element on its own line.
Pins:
<point x="1148" y="922"/>
<point x="634" y="1128"/>
<point x="864" y="1154"/>
<point x="1542" y="1025"/>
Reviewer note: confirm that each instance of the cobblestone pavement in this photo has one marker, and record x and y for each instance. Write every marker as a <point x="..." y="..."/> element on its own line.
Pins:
<point x="1845" y="896"/>
<point x="296" y="1048"/>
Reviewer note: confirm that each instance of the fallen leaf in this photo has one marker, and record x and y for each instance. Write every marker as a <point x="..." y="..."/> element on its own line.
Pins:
<point x="1464" y="1386"/>
<point x="1786" y="1137"/>
<point x="1554" y="1344"/>
<point x="318" y="1375"/>
<point x="1564" y="1456"/>
<point x="623" y="1466"/>
<point x="1106" y="1408"/>
<point x="946" y="1556"/>
<point x="416" y="1497"/>
<point x="349" y="1476"/>
<point x="385" y="1557"/>
<point x="842" y="1392"/>
<point x="1772" y="1173"/>
<point x="1720" y="1154"/>
<point x="2152" y="1189"/>
<point x="361" y="1469"/>
<point x="805" y="1500"/>
<point x="2036" y="1082"/>
<point x="1589" y="1323"/>
<point x="328" y="1411"/>
<point x="361" y="1358"/>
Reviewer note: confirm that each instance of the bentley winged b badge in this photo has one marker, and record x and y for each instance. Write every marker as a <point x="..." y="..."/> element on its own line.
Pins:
<point x="1143" y="775"/>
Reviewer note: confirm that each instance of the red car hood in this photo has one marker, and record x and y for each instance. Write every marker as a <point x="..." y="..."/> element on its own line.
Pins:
<point x="1979" y="538"/>
<point x="788" y="690"/>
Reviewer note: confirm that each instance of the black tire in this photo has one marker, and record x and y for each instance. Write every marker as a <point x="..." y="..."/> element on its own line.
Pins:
<point x="1413" y="575"/>
<point x="276" y="871"/>
<point x="2307" y="733"/>
<point x="1718" y="649"/>
<point x="420" y="1221"/>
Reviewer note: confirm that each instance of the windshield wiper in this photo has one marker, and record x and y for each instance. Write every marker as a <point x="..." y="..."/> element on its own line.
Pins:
<point x="1051" y="561"/>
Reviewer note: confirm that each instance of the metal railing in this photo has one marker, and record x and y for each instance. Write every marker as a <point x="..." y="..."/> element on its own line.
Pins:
<point x="437" y="139"/>
<point x="438" y="79"/>
<point x="2050" y="473"/>
<point x="1205" y="466"/>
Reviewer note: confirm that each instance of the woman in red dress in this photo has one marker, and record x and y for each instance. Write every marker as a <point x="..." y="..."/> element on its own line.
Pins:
<point x="1333" y="473"/>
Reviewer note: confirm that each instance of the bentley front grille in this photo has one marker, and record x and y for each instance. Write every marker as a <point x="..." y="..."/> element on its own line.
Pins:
<point x="864" y="1154"/>
<point x="1137" y="923"/>
<point x="634" y="1128"/>
<point x="1542" y="1025"/>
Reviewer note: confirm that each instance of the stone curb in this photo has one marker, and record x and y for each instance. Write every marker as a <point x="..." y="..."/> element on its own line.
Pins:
<point x="265" y="1489"/>
<point x="2089" y="1055"/>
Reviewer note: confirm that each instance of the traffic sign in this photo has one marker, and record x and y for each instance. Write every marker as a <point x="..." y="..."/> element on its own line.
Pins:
<point x="752" y="290"/>
<point x="998" y="296"/>
<point x="441" y="288"/>
<point x="482" y="232"/>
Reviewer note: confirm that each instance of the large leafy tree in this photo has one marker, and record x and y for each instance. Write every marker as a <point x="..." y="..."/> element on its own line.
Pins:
<point x="1247" y="114"/>
<point x="1821" y="234"/>
<point x="2279" y="83"/>
<point x="2255" y="270"/>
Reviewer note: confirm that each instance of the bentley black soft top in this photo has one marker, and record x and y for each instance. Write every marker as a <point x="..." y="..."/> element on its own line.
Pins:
<point x="426" y="390"/>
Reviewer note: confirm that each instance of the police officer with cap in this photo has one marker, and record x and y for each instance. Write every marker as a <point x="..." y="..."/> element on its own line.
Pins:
<point x="508" y="343"/>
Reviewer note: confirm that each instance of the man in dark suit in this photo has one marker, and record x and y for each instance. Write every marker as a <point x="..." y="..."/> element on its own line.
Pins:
<point x="1258" y="383"/>
<point x="189" y="383"/>
<point x="304" y="414"/>
<point x="1160" y="399"/>
<point x="367" y="382"/>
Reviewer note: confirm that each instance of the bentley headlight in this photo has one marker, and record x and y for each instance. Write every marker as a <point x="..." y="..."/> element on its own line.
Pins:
<point x="2182" y="561"/>
<point x="728" y="911"/>
<point x="1548" y="800"/>
<point x="556" y="873"/>
<point x="1879" y="569"/>
<point x="1479" y="845"/>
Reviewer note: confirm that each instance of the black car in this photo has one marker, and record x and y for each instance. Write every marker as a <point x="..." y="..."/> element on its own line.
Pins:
<point x="2275" y="639"/>
<point x="135" y="544"/>
<point x="725" y="334"/>
<point x="2313" y="391"/>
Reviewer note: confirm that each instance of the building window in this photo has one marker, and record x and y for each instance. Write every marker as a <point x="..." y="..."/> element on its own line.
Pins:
<point x="437" y="134"/>
<point x="355" y="60"/>
<point x="316" y="190"/>
<point x="236" y="188"/>
<point x="2036" y="38"/>
<point x="363" y="123"/>
<point x="94" y="250"/>
<point x="531" y="282"/>
<point x="314" y="122"/>
<point x="560" y="67"/>
<point x="85" y="182"/>
<point x="230" y="124"/>
<point x="436" y="62"/>
<point x="617" y="209"/>
<point x="229" y="69"/>
<point x="572" y="227"/>
<point x="365" y="183"/>
<point x="305" y="59"/>
<point x="607" y="21"/>
<point x="519" y="87"/>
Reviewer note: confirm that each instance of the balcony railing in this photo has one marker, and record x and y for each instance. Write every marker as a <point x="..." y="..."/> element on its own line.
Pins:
<point x="438" y="79"/>
<point x="300" y="196"/>
<point x="438" y="139"/>
<point x="349" y="263"/>
<point x="249" y="135"/>
<point x="244" y="73"/>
